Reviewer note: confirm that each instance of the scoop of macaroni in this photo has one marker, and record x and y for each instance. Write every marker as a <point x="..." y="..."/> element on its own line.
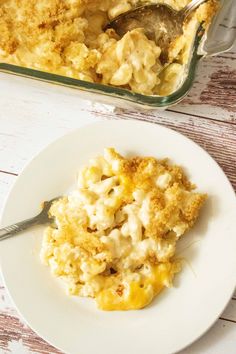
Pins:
<point x="114" y="237"/>
<point x="66" y="37"/>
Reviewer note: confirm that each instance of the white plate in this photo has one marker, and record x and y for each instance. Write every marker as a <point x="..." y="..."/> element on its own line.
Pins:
<point x="179" y="315"/>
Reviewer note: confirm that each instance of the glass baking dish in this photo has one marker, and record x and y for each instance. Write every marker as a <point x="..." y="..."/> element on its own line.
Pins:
<point x="219" y="38"/>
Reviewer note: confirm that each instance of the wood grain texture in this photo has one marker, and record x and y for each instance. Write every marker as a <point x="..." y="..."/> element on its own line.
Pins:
<point x="33" y="114"/>
<point x="230" y="311"/>
<point x="12" y="329"/>
<point x="218" y="138"/>
<point x="214" y="90"/>
<point x="38" y="126"/>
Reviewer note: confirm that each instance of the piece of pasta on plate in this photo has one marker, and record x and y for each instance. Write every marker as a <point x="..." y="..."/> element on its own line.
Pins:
<point x="115" y="236"/>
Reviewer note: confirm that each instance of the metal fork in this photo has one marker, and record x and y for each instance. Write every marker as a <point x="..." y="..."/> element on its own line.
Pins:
<point x="41" y="218"/>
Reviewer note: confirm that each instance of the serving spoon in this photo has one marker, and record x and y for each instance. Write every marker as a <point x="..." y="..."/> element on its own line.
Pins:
<point x="161" y="23"/>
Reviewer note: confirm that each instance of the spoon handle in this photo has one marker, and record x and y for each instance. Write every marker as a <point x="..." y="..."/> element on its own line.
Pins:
<point x="188" y="9"/>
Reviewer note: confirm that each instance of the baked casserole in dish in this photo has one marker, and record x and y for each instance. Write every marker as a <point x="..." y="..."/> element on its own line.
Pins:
<point x="65" y="42"/>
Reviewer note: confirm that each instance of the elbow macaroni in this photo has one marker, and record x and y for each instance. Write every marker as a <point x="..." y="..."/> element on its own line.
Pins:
<point x="115" y="236"/>
<point x="65" y="37"/>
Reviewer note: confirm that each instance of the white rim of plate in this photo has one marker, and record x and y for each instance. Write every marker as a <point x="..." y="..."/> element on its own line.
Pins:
<point x="80" y="130"/>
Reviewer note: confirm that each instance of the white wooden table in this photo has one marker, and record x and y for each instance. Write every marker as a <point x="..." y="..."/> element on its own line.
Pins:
<point x="32" y="115"/>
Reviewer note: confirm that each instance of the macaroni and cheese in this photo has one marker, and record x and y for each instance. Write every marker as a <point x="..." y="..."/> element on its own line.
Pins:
<point x="115" y="236"/>
<point x="66" y="37"/>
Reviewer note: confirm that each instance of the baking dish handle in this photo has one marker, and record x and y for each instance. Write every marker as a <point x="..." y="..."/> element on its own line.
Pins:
<point x="222" y="32"/>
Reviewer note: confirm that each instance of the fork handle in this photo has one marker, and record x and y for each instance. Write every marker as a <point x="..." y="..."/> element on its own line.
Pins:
<point x="11" y="230"/>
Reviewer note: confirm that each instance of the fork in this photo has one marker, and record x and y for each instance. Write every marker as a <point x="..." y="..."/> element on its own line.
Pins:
<point x="40" y="219"/>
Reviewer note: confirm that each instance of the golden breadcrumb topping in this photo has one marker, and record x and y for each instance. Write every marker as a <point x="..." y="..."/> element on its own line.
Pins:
<point x="115" y="236"/>
<point x="66" y="37"/>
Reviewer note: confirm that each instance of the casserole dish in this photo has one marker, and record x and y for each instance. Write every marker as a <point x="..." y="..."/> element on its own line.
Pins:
<point x="219" y="38"/>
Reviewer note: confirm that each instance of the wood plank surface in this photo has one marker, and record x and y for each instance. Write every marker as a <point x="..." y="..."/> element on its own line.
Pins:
<point x="218" y="138"/>
<point x="32" y="115"/>
<point x="230" y="311"/>
<point x="14" y="331"/>
<point x="46" y="122"/>
<point x="214" y="90"/>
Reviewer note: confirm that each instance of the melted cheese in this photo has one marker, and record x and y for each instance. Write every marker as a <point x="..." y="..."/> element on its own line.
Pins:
<point x="116" y="234"/>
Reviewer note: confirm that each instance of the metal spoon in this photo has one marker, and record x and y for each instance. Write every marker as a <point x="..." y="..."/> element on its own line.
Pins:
<point x="41" y="218"/>
<point x="161" y="22"/>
